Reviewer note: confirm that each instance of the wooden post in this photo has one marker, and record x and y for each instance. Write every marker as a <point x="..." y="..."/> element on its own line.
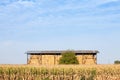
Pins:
<point x="40" y="59"/>
<point x="27" y="58"/>
<point x="96" y="58"/>
<point x="54" y="60"/>
<point x="82" y="58"/>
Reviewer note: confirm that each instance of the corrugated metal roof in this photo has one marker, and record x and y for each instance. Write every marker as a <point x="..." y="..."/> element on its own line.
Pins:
<point x="62" y="51"/>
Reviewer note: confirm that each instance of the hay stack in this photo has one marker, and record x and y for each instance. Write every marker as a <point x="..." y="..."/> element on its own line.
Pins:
<point x="34" y="60"/>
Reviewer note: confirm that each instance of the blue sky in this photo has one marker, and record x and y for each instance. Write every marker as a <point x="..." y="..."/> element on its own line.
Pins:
<point x="59" y="25"/>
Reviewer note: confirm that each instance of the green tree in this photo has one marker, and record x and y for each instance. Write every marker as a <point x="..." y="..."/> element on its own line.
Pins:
<point x="68" y="57"/>
<point x="117" y="62"/>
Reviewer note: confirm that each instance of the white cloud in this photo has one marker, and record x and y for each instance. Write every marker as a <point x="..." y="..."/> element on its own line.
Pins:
<point x="26" y="3"/>
<point x="107" y="1"/>
<point x="35" y="13"/>
<point x="113" y="0"/>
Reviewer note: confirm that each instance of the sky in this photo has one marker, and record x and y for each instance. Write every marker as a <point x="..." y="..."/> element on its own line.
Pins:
<point x="27" y="25"/>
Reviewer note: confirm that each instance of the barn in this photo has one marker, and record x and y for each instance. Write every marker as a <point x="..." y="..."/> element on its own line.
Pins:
<point x="52" y="57"/>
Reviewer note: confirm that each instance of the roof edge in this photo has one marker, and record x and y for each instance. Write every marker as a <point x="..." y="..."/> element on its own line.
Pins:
<point x="61" y="51"/>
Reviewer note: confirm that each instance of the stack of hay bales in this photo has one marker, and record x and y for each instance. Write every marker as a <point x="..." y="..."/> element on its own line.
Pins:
<point x="34" y="60"/>
<point x="89" y="59"/>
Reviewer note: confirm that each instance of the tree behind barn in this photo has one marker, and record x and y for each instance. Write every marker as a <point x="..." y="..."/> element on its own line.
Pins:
<point x="68" y="57"/>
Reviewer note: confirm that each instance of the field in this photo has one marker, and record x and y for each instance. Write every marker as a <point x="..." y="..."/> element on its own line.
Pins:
<point x="61" y="72"/>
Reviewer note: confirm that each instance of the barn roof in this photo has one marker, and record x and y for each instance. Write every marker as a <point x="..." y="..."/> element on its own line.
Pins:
<point x="62" y="51"/>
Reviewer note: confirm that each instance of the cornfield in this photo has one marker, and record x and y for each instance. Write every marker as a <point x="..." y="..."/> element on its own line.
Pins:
<point x="60" y="72"/>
